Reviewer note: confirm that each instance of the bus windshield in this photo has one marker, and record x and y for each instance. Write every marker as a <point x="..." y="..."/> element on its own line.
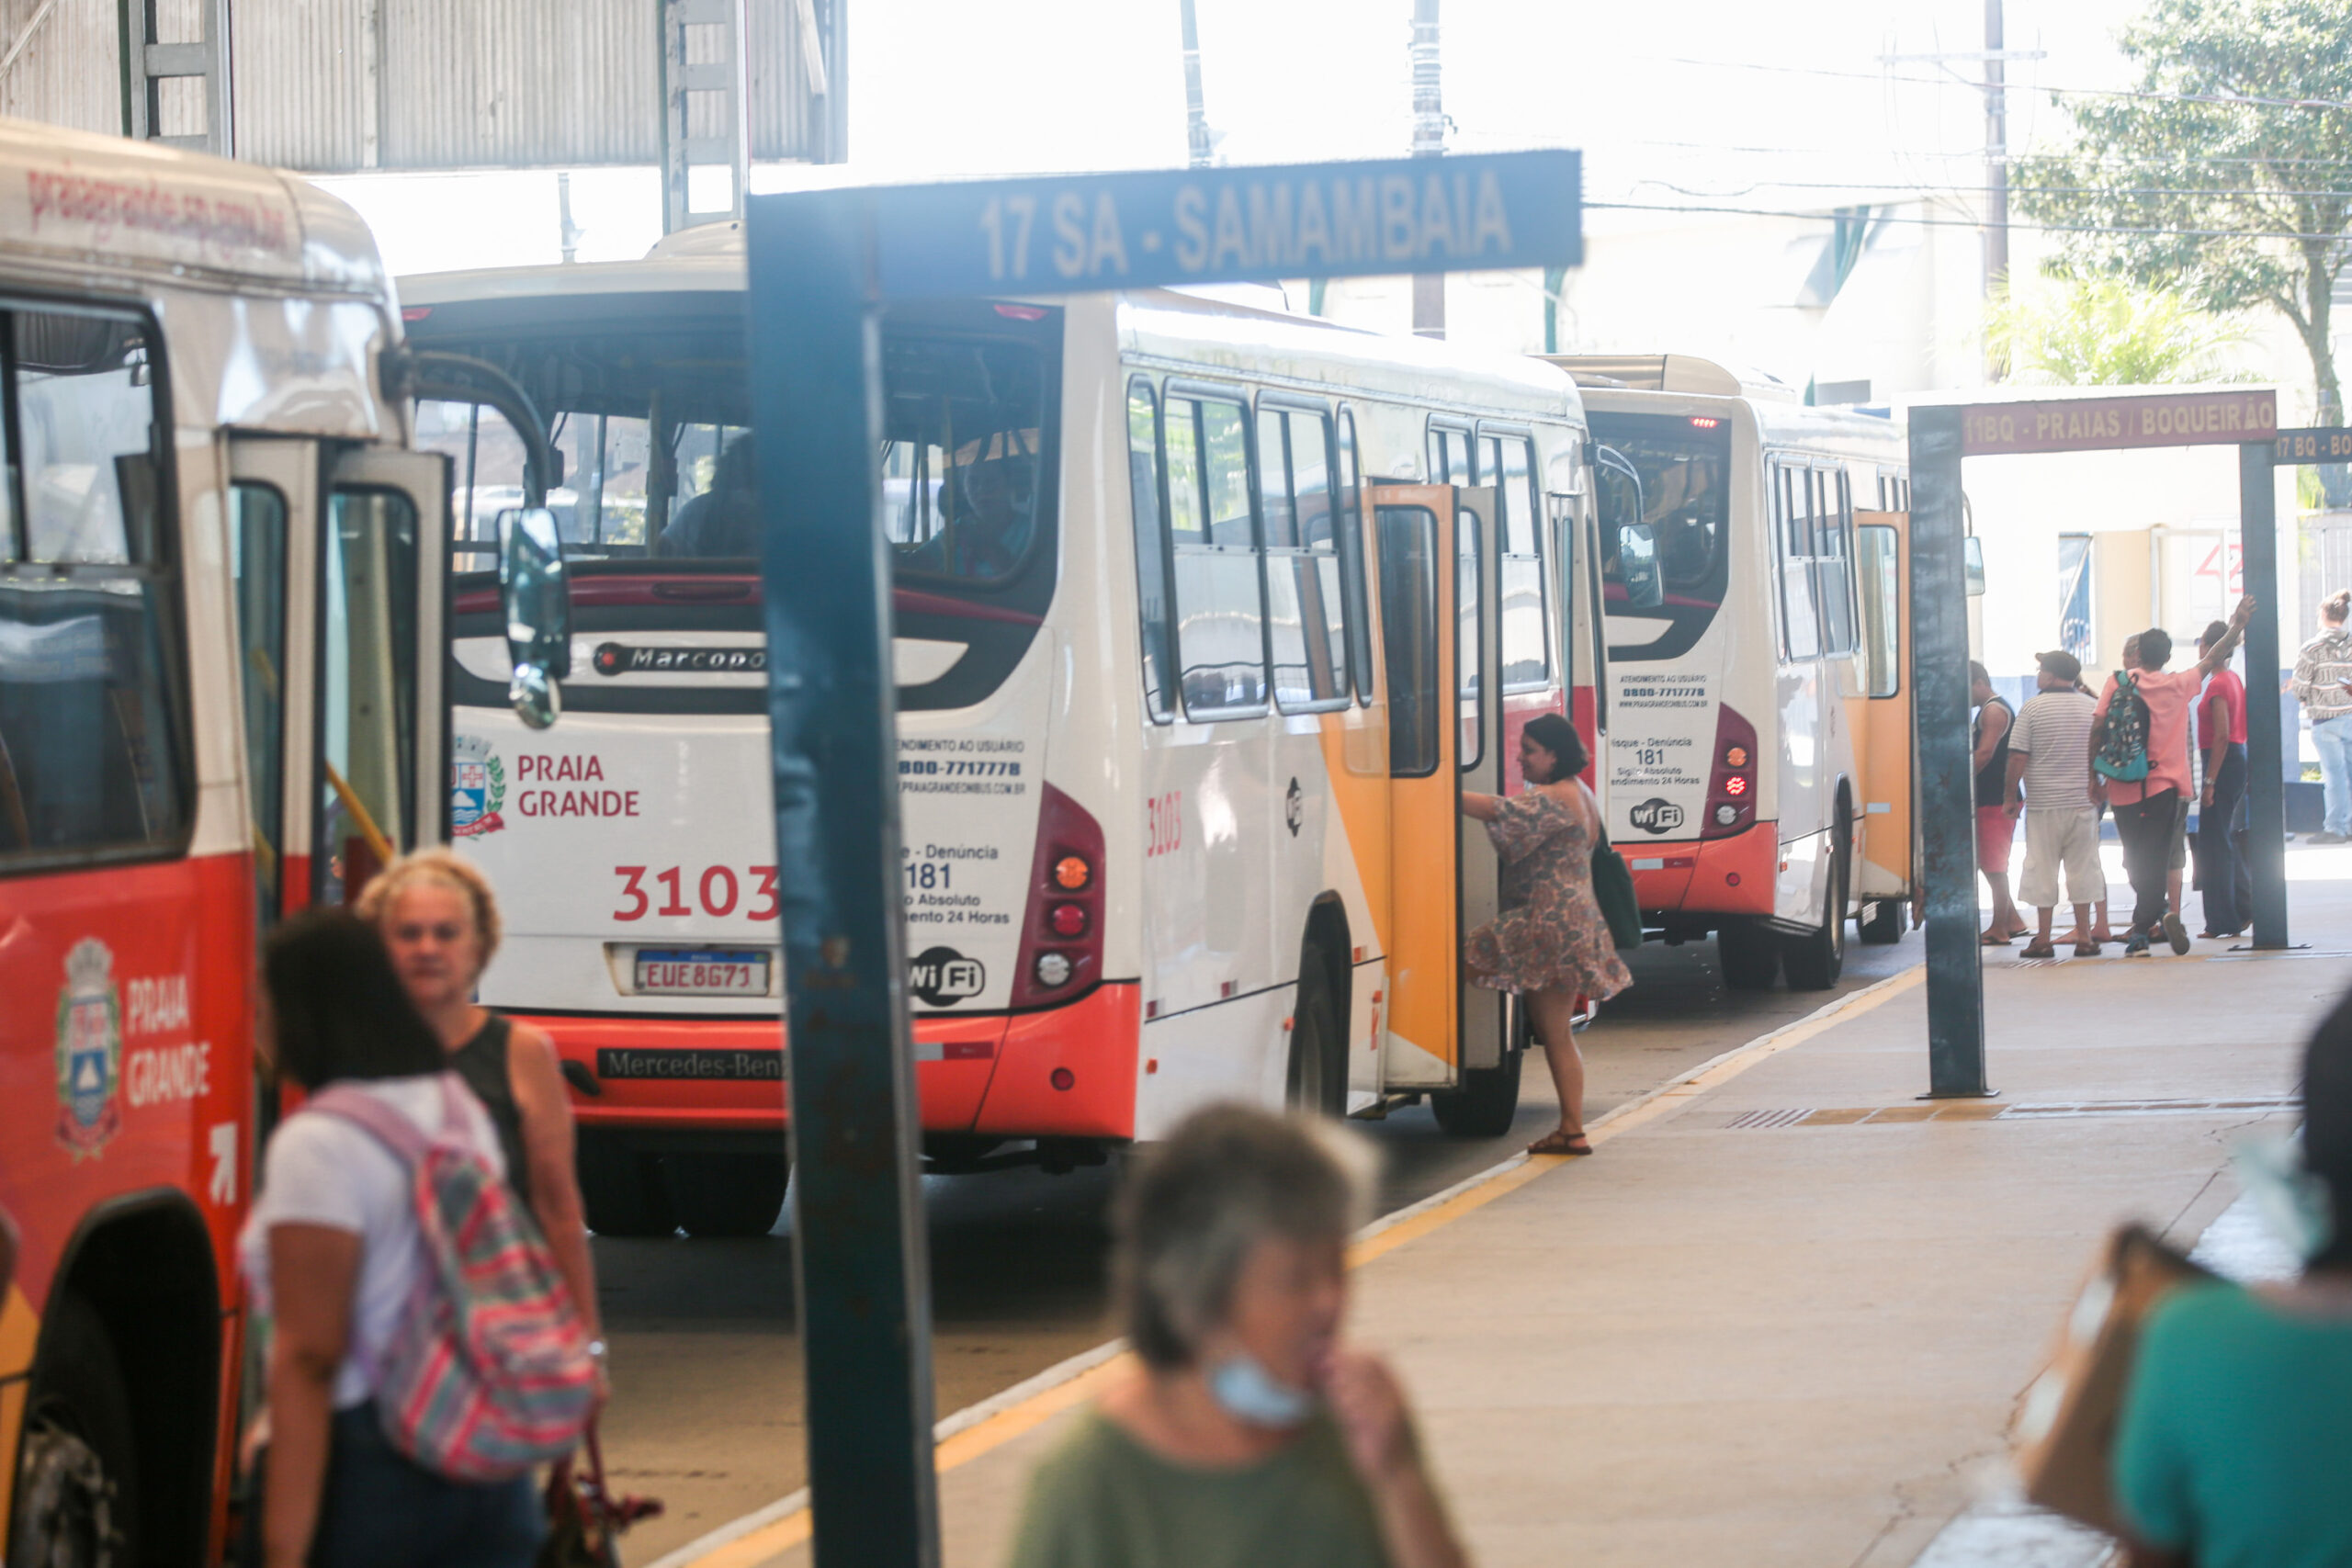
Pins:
<point x="1664" y="524"/>
<point x="650" y="410"/>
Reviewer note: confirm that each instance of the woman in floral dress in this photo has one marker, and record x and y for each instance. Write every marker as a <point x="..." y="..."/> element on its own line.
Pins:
<point x="1551" y="942"/>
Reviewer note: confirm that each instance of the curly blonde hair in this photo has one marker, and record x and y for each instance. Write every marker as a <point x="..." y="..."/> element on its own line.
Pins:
<point x="450" y="870"/>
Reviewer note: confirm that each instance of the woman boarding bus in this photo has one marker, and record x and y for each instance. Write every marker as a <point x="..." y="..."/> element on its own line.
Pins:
<point x="221" y="648"/>
<point x="1760" y="744"/>
<point x="1179" y="737"/>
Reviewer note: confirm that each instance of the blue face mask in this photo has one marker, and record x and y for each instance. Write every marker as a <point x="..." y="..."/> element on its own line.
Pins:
<point x="1246" y="1391"/>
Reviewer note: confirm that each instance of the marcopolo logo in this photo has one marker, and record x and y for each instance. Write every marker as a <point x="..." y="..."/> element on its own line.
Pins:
<point x="943" y="976"/>
<point x="1656" y="815"/>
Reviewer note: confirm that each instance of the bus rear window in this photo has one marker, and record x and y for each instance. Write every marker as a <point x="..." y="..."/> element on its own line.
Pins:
<point x="1662" y="481"/>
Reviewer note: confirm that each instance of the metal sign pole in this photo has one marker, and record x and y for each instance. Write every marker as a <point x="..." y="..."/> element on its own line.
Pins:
<point x="2266" y="837"/>
<point x="1947" y="781"/>
<point x="860" y="1255"/>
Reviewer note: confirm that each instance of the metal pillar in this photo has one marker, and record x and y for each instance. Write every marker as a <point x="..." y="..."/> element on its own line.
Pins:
<point x="706" y="107"/>
<point x="1947" y="805"/>
<point x="1198" y="148"/>
<point x="1997" y="151"/>
<point x="1429" y="141"/>
<point x="860" y="1262"/>
<point x="147" y="64"/>
<point x="2266" y="838"/>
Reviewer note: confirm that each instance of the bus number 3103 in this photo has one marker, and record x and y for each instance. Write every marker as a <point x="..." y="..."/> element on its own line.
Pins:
<point x="718" y="888"/>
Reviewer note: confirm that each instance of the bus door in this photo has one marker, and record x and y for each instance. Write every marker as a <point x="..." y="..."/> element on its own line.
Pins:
<point x="1479" y="764"/>
<point x="1417" y="545"/>
<point x="1882" y="564"/>
<point x="340" y="612"/>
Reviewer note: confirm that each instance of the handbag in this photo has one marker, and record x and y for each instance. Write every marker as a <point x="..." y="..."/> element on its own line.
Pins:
<point x="1613" y="889"/>
<point x="584" y="1519"/>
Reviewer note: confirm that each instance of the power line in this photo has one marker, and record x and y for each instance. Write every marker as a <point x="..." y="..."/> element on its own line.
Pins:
<point x="1916" y="187"/>
<point x="1970" y="222"/>
<point x="1958" y="81"/>
<point x="1972" y="153"/>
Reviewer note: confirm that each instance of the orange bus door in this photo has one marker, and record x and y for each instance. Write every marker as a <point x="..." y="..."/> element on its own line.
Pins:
<point x="1485" y="1019"/>
<point x="1413" y="537"/>
<point x="1884" y="864"/>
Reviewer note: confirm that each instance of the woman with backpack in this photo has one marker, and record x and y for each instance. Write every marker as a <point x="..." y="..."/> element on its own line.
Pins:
<point x="338" y="1252"/>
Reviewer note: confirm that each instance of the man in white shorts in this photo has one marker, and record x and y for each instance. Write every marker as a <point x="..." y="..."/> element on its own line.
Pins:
<point x="2050" y="753"/>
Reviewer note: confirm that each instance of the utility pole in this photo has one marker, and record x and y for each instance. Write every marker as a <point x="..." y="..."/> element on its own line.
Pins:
<point x="1196" y="116"/>
<point x="1429" y="141"/>
<point x="1996" y="152"/>
<point x="564" y="225"/>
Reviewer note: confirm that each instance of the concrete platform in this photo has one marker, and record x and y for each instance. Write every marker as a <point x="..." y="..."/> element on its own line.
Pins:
<point x="1784" y="1315"/>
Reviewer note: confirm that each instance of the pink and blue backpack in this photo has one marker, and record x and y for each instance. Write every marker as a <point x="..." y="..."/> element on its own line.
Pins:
<point x="489" y="1373"/>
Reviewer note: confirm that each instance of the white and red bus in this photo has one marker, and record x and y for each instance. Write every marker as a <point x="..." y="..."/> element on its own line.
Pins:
<point x="1759" y="733"/>
<point x="1204" y="615"/>
<point x="220" y="663"/>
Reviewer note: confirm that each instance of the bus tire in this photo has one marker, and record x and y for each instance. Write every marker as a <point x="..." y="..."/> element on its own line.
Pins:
<point x="622" y="1190"/>
<point x="1885" y="926"/>
<point x="727" y="1194"/>
<point x="1751" y="956"/>
<point x="77" y="1481"/>
<point x="1815" y="960"/>
<point x="1488" y="1101"/>
<point x="1317" y="1076"/>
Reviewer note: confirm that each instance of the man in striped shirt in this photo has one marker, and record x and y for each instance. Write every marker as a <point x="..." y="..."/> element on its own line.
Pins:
<point x="2047" y="745"/>
<point x="2323" y="685"/>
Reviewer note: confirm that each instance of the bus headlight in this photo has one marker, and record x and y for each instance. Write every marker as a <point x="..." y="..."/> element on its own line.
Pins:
<point x="1053" y="969"/>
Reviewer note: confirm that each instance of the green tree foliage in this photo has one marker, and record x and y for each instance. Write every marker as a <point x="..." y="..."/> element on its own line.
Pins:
<point x="2229" y="181"/>
<point x="2104" y="332"/>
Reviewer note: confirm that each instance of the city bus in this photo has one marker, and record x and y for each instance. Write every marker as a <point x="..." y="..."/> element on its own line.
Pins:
<point x="220" y="663"/>
<point x="1760" y="739"/>
<point x="1181" y="720"/>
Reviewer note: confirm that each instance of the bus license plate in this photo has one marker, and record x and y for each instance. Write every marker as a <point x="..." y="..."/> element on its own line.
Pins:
<point x="683" y="972"/>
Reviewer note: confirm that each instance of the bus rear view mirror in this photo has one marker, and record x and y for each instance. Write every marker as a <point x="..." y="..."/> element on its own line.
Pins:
<point x="1973" y="565"/>
<point x="1637" y="565"/>
<point x="537" y="601"/>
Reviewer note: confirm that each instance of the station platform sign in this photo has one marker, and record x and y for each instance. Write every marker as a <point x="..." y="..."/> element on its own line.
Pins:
<point x="2092" y="424"/>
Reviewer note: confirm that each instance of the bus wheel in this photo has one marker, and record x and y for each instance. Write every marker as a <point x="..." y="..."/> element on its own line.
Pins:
<point x="622" y="1190"/>
<point x="1815" y="960"/>
<point x="1488" y="1101"/>
<point x="1318" y="1076"/>
<point x="1885" y="926"/>
<point x="1751" y="956"/>
<point x="728" y="1194"/>
<point x="77" y="1494"/>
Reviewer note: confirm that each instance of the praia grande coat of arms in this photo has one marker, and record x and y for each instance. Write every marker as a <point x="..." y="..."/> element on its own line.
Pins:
<point x="89" y="1050"/>
<point x="477" y="787"/>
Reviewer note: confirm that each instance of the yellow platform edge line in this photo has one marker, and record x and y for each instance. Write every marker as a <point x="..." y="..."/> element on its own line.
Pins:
<point x="795" y="1528"/>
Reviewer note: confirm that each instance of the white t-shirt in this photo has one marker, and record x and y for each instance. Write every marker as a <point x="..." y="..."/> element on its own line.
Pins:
<point x="322" y="1170"/>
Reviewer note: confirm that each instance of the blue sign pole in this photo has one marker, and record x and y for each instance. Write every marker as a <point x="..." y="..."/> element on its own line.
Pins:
<point x="859" y="1261"/>
<point x="822" y="265"/>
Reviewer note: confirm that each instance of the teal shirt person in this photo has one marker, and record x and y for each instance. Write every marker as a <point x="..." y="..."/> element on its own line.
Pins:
<point x="2235" y="1448"/>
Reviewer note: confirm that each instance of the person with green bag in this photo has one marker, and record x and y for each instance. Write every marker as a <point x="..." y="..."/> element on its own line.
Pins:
<point x="1552" y="942"/>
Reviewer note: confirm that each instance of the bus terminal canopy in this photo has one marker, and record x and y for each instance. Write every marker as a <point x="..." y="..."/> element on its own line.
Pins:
<point x="1083" y="232"/>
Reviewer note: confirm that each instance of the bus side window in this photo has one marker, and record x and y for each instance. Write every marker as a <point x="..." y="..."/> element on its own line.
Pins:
<point x="1800" y="628"/>
<point x="93" y="730"/>
<point x="1409" y="635"/>
<point x="1882" y="609"/>
<point x="1350" y="533"/>
<point x="257" y="516"/>
<point x="1469" y="580"/>
<point x="1305" y="618"/>
<point x="1450" y="455"/>
<point x="1220" y="642"/>
<point x="1151" y="550"/>
<point x="367" y="679"/>
<point x="1527" y="663"/>
<point x="1833" y="553"/>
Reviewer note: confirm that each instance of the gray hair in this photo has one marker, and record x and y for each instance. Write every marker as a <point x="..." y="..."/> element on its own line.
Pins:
<point x="1196" y="1206"/>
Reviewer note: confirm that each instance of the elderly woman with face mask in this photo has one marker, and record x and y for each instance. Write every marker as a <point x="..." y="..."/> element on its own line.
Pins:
<point x="1251" y="1435"/>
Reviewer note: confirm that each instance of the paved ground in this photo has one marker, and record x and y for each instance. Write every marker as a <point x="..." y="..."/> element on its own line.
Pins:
<point x="706" y="1365"/>
<point x="1784" y="1315"/>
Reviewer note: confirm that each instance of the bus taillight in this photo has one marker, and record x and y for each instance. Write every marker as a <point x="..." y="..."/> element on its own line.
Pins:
<point x="1061" y="930"/>
<point x="1731" y="787"/>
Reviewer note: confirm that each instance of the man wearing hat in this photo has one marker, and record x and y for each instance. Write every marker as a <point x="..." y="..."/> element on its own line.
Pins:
<point x="2047" y="745"/>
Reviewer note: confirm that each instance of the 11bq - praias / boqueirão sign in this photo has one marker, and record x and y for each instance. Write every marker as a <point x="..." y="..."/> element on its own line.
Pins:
<point x="1094" y="232"/>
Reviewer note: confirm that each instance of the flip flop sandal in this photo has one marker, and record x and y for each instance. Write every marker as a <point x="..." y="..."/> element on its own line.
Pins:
<point x="2086" y="950"/>
<point x="1989" y="940"/>
<point x="1560" y="1143"/>
<point x="2039" y="949"/>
